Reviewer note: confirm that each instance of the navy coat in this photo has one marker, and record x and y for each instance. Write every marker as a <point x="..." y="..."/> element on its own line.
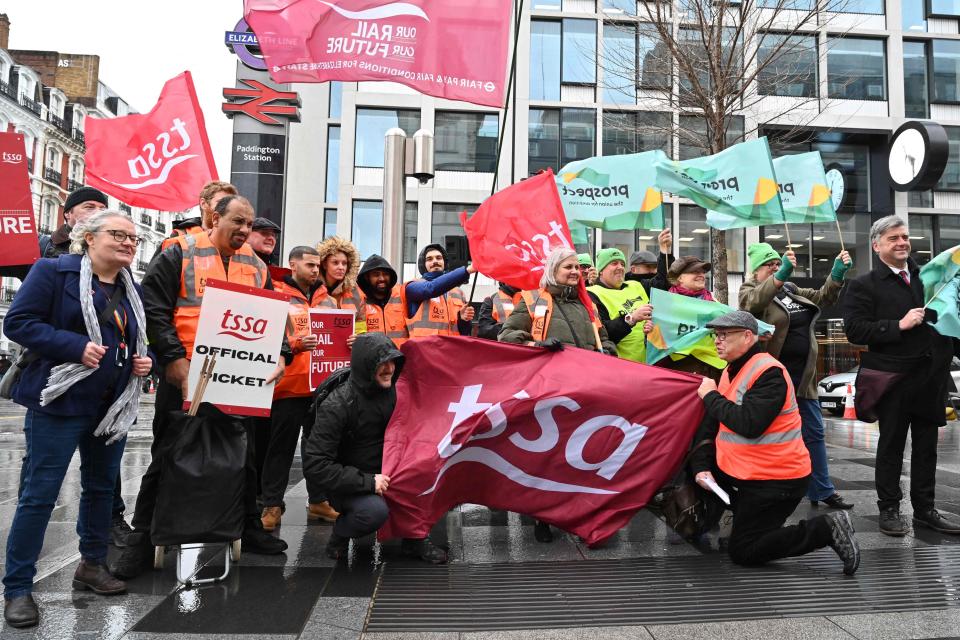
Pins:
<point x="46" y="318"/>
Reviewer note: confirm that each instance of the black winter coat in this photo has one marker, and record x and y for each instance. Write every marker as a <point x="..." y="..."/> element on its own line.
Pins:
<point x="345" y="448"/>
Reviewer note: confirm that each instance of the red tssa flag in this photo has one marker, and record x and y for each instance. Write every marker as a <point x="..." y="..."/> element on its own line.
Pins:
<point x="159" y="160"/>
<point x="514" y="231"/>
<point x="546" y="440"/>
<point x="454" y="50"/>
<point x="18" y="235"/>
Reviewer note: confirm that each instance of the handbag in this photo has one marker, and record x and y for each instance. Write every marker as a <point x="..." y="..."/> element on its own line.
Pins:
<point x="683" y="506"/>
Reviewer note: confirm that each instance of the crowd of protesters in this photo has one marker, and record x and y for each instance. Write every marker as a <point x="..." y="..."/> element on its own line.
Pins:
<point x="88" y="326"/>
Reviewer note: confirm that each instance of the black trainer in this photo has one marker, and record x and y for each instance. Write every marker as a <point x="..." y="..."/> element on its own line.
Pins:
<point x="256" y="540"/>
<point x="423" y="549"/>
<point x="337" y="547"/>
<point x="136" y="556"/>
<point x="119" y="531"/>
<point x="891" y="523"/>
<point x="835" y="501"/>
<point x="21" y="612"/>
<point x="933" y="520"/>
<point x="843" y="541"/>
<point x="542" y="532"/>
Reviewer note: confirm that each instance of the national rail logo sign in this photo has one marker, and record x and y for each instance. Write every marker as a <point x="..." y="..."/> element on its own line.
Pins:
<point x="262" y="102"/>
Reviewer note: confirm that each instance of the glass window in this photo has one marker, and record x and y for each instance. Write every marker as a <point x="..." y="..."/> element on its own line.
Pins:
<point x="372" y="126"/>
<point x="446" y="221"/>
<point x="946" y="70"/>
<point x="690" y="39"/>
<point x="329" y="222"/>
<point x="590" y="245"/>
<point x="619" y="63"/>
<point x="367" y="228"/>
<point x="790" y="65"/>
<point x="944" y="7"/>
<point x="633" y="132"/>
<point x="628" y="7"/>
<point x="544" y="60"/>
<point x="949" y="231"/>
<point x="872" y="7"/>
<point x="653" y="59"/>
<point x="623" y="240"/>
<point x="694" y="139"/>
<point x="913" y="14"/>
<point x="950" y="180"/>
<point x="693" y="236"/>
<point x="915" y="79"/>
<point x="578" y="134"/>
<point x="539" y="5"/>
<point x="410" y="217"/>
<point x="333" y="164"/>
<point x="795" y="5"/>
<point x="579" y="53"/>
<point x="921" y="238"/>
<point x="856" y="69"/>
<point x="543" y="140"/>
<point x="465" y="141"/>
<point x="920" y="199"/>
<point x="799" y="236"/>
<point x="336" y="99"/>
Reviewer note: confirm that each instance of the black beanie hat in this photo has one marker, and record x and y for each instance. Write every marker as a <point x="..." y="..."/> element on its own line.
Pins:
<point x="83" y="194"/>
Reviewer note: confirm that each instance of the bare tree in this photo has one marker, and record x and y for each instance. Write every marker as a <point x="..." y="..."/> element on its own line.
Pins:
<point x="719" y="63"/>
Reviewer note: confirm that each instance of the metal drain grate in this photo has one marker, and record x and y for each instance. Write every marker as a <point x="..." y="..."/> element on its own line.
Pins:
<point x="640" y="591"/>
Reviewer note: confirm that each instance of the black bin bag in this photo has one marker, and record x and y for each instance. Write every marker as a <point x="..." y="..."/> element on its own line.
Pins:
<point x="202" y="482"/>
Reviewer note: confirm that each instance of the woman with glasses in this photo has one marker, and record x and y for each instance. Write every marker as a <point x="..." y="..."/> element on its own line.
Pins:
<point x="793" y="311"/>
<point x="82" y="316"/>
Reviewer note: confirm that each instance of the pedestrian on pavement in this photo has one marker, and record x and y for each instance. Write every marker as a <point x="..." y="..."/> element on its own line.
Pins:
<point x="623" y="305"/>
<point x="754" y="451"/>
<point x="650" y="270"/>
<point x="83" y="315"/>
<point x="906" y="367"/>
<point x="435" y="304"/>
<point x="555" y="316"/>
<point x="384" y="311"/>
<point x="770" y="296"/>
<point x="344" y="453"/>
<point x="292" y="395"/>
<point x="173" y="292"/>
<point x="339" y="266"/>
<point x="263" y="238"/>
<point x="587" y="271"/>
<point x="495" y="310"/>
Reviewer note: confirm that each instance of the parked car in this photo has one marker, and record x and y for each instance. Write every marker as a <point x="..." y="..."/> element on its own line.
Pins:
<point x="832" y="390"/>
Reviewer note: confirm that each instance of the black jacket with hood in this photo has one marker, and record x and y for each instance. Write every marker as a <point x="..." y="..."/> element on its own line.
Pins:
<point x="373" y="263"/>
<point x="487" y="327"/>
<point x="345" y="448"/>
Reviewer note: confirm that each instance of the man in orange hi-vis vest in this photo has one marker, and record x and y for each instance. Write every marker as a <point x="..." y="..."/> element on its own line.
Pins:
<point x="435" y="304"/>
<point x="750" y="445"/>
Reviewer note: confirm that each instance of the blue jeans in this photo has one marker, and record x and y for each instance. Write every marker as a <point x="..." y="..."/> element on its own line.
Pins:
<point x="821" y="486"/>
<point x="51" y="442"/>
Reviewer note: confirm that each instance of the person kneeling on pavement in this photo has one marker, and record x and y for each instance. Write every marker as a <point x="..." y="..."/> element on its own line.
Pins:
<point x="344" y="452"/>
<point x="755" y="451"/>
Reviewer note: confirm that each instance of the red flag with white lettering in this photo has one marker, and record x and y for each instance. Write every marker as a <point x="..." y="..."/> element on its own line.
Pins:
<point x="546" y="440"/>
<point x="18" y="235"/>
<point x="159" y="160"/>
<point x="514" y="231"/>
<point x="453" y="50"/>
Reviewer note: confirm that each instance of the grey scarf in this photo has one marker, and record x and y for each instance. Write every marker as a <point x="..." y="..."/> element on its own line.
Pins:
<point x="123" y="412"/>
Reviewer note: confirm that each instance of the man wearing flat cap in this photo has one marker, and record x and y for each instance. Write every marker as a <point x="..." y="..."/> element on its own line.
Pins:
<point x="263" y="238"/>
<point x="750" y="444"/>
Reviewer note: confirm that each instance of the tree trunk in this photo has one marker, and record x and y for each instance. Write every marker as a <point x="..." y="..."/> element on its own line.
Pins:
<point x="719" y="241"/>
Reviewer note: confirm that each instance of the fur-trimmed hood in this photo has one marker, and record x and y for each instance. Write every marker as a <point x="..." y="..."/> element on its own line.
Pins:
<point x="336" y="244"/>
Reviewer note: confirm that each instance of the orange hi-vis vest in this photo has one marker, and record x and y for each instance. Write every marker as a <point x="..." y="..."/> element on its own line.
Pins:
<point x="295" y="382"/>
<point x="437" y="316"/>
<point x="541" y="312"/>
<point x="180" y="233"/>
<point x="201" y="262"/>
<point x="779" y="453"/>
<point x="503" y="305"/>
<point x="349" y="299"/>
<point x="391" y="319"/>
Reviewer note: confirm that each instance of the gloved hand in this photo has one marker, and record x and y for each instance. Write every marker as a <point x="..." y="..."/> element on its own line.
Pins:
<point x="550" y="344"/>
<point x="840" y="267"/>
<point x="786" y="268"/>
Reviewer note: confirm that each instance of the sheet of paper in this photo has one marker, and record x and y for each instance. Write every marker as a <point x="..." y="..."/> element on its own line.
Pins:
<point x="713" y="486"/>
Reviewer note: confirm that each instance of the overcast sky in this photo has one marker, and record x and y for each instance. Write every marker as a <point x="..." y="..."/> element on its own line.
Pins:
<point x="142" y="45"/>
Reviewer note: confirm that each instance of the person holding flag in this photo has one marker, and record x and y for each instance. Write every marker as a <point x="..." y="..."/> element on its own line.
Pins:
<point x="435" y="304"/>
<point x="794" y="311"/>
<point x="587" y="270"/>
<point x="623" y="305"/>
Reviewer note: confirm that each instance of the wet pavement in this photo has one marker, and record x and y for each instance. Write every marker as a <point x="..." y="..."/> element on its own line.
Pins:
<point x="643" y="583"/>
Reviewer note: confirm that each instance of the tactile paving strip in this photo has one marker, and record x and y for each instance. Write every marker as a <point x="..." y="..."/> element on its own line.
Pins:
<point x="641" y="591"/>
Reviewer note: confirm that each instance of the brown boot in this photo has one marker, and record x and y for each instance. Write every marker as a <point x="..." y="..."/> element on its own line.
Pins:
<point x="270" y="518"/>
<point x="322" y="511"/>
<point x="96" y="578"/>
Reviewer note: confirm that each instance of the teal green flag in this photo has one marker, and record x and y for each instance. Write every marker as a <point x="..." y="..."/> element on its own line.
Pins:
<point x="612" y="193"/>
<point x="738" y="182"/>
<point x="679" y="328"/>
<point x="941" y="291"/>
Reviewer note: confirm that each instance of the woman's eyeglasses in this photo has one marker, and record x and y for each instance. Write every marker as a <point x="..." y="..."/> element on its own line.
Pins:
<point x="122" y="236"/>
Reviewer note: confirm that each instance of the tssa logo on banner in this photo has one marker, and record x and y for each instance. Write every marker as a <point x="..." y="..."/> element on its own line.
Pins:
<point x="242" y="327"/>
<point x="12" y="158"/>
<point x="159" y="157"/>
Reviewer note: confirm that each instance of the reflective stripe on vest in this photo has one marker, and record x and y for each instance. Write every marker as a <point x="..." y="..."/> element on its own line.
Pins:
<point x="179" y="233"/>
<point x="620" y="302"/>
<point x="777" y="454"/>
<point x="201" y="262"/>
<point x="391" y="319"/>
<point x="541" y="311"/>
<point x="503" y="306"/>
<point x="437" y="316"/>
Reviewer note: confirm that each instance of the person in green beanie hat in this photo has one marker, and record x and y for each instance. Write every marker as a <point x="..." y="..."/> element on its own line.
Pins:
<point x="770" y="296"/>
<point x="587" y="271"/>
<point x="623" y="305"/>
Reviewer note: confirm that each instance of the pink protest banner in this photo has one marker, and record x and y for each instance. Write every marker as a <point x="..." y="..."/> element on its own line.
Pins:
<point x="332" y="328"/>
<point x="18" y="234"/>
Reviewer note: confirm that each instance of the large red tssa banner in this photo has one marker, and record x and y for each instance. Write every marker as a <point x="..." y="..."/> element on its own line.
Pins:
<point x="448" y="49"/>
<point x="18" y="234"/>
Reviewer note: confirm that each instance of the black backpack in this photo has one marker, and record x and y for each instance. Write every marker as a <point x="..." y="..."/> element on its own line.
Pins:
<point x="326" y="387"/>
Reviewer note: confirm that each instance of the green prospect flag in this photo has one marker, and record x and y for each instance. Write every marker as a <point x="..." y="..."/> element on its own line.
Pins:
<point x="941" y="291"/>
<point x="679" y="328"/>
<point x="738" y="182"/>
<point x="613" y="193"/>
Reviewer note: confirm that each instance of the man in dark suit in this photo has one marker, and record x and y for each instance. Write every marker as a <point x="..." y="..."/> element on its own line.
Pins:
<point x="883" y="309"/>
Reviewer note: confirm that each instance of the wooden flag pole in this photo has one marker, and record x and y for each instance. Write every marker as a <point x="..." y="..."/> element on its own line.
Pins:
<point x="840" y="233"/>
<point x="934" y="297"/>
<point x="786" y="227"/>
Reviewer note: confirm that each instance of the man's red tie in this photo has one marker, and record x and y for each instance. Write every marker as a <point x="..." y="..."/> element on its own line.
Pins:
<point x="906" y="278"/>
